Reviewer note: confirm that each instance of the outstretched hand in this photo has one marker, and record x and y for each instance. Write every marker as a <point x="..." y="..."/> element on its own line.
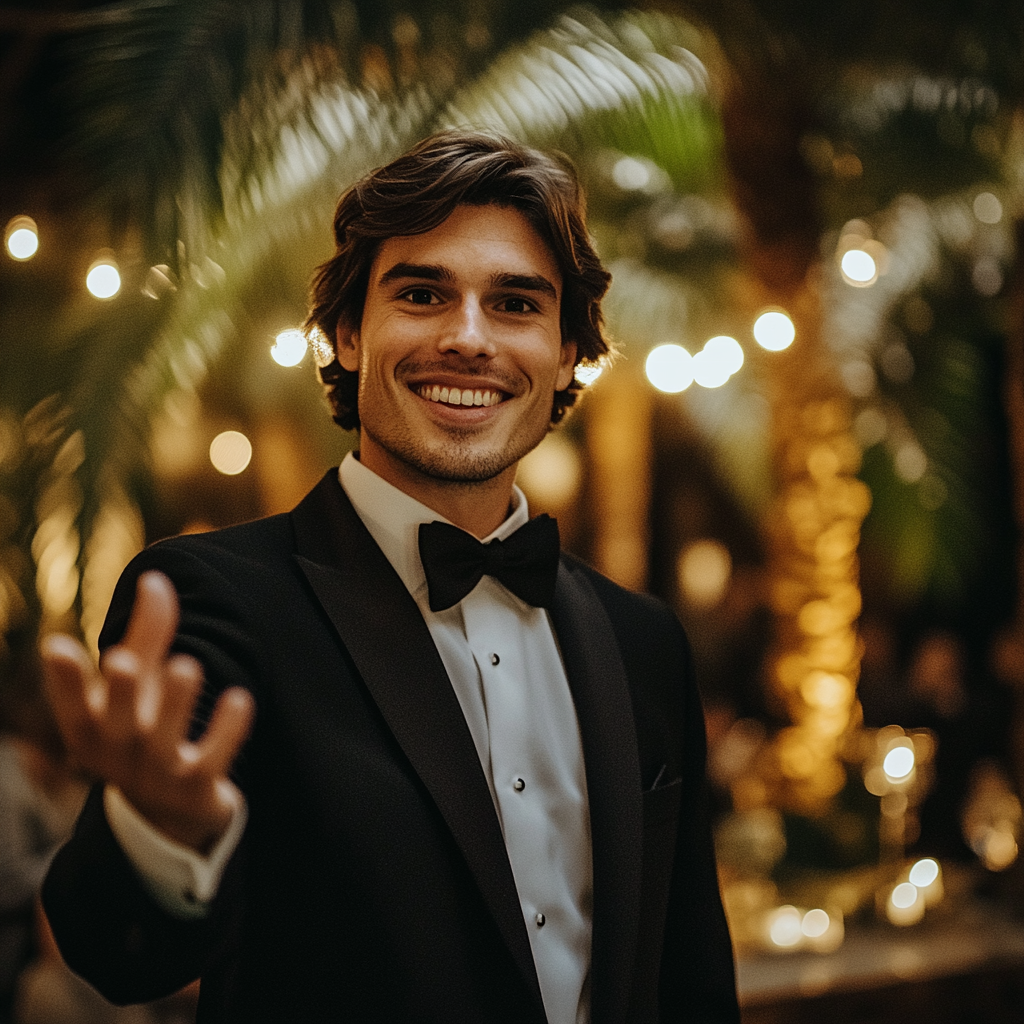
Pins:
<point x="128" y="723"/>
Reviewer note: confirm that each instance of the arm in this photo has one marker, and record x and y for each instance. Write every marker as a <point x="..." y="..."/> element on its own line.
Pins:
<point x="138" y="724"/>
<point x="698" y="976"/>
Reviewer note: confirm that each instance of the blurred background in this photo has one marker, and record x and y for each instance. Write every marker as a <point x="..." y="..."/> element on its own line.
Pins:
<point x="811" y="444"/>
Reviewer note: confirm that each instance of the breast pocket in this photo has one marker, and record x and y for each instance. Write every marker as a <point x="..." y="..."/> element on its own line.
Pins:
<point x="661" y="805"/>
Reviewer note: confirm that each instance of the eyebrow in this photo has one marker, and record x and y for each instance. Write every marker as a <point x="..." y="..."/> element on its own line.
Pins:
<point x="434" y="272"/>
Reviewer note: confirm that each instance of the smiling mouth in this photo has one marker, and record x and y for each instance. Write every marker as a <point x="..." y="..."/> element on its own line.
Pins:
<point x="460" y="396"/>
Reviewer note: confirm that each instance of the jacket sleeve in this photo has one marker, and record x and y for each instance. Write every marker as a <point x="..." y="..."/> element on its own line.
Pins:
<point x="107" y="925"/>
<point x="698" y="982"/>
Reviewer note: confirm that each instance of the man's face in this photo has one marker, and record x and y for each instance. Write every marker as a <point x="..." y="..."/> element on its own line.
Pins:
<point x="459" y="351"/>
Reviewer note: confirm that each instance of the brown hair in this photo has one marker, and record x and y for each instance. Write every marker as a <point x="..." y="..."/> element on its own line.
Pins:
<point x="420" y="190"/>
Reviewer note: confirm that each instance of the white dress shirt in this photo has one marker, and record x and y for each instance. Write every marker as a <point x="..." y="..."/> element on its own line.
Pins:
<point x="502" y="659"/>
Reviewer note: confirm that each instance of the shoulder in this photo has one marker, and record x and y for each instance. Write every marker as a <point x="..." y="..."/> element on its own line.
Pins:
<point x="628" y="610"/>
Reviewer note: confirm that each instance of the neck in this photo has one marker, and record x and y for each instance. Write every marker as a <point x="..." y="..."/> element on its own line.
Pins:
<point x="477" y="506"/>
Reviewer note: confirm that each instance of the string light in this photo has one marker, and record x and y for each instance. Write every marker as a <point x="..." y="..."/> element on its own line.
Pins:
<point x="774" y="331"/>
<point x="859" y="269"/>
<point x="230" y="452"/>
<point x="103" y="279"/>
<point x="670" y="368"/>
<point x="21" y="238"/>
<point x="289" y="347"/>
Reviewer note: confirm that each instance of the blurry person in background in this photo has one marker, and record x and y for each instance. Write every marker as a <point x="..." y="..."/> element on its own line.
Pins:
<point x="963" y="718"/>
<point x="40" y="797"/>
<point x="392" y="757"/>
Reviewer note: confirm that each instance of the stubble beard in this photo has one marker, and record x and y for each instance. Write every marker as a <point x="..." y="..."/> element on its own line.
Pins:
<point x="456" y="459"/>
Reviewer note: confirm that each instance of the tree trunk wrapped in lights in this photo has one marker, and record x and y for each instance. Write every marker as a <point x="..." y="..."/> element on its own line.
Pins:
<point x="815" y="523"/>
<point x="813" y="530"/>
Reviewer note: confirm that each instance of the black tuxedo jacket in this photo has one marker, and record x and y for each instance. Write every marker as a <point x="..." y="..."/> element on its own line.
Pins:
<point x="372" y="881"/>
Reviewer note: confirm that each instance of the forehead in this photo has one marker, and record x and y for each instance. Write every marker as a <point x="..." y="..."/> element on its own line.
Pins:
<point x="474" y="241"/>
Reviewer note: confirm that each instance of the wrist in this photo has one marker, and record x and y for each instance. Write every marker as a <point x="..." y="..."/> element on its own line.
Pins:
<point x="200" y="835"/>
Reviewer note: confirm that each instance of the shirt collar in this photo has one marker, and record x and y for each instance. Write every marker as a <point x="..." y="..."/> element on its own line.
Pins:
<point x="393" y="518"/>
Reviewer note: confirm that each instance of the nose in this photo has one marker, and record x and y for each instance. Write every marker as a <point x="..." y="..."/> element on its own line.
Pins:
<point x="468" y="331"/>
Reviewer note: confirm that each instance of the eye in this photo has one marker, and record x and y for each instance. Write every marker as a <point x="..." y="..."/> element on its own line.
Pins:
<point x="420" y="296"/>
<point x="516" y="304"/>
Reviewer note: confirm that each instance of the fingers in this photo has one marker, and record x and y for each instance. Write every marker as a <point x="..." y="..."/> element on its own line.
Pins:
<point x="229" y="726"/>
<point x="153" y="621"/>
<point x="75" y="690"/>
<point x="183" y="679"/>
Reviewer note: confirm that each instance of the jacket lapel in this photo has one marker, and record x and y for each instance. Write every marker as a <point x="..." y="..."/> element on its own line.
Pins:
<point x="387" y="639"/>
<point x="597" y="679"/>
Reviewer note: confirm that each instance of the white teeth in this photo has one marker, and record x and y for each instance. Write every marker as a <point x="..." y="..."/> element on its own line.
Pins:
<point x="457" y="396"/>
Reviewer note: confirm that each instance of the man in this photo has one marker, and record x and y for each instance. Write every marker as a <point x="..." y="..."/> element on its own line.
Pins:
<point x="472" y="784"/>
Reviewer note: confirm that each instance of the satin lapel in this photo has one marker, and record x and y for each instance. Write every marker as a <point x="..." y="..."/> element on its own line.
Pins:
<point x="386" y="637"/>
<point x="597" y="679"/>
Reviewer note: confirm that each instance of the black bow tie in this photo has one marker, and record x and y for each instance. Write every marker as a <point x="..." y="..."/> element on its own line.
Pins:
<point x="454" y="561"/>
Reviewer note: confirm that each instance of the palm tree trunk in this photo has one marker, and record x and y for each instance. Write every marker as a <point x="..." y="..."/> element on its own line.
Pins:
<point x="814" y="526"/>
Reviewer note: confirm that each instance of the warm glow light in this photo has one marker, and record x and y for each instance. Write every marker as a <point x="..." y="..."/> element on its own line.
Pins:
<point x="904" y="895"/>
<point x="103" y="279"/>
<point x="904" y="905"/>
<point x="859" y="268"/>
<point x="924" y="872"/>
<point x="703" y="571"/>
<point x="670" y="368"/>
<point x="707" y="372"/>
<point x="784" y="926"/>
<point x="898" y="763"/>
<point x="999" y="850"/>
<point x="551" y="473"/>
<point x="230" y="452"/>
<point x="987" y="208"/>
<point x="587" y="373"/>
<point x="774" y="331"/>
<point x="720" y="358"/>
<point x="22" y="237"/>
<point x="815" y="924"/>
<point x="727" y="351"/>
<point x="289" y="347"/>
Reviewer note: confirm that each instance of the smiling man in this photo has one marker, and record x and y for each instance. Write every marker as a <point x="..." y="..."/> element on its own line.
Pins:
<point x="392" y="757"/>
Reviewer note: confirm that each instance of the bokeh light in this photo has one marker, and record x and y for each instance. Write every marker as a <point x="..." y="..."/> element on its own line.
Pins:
<point x="670" y="368"/>
<point x="289" y="347"/>
<point x="230" y="452"/>
<point x="859" y="268"/>
<point x="728" y="351"/>
<point x="631" y="174"/>
<point x="703" y="572"/>
<point x="784" y="927"/>
<point x="774" y="331"/>
<point x="551" y="474"/>
<point x="987" y="208"/>
<point x="898" y="763"/>
<point x="21" y="237"/>
<point x="103" y="279"/>
<point x="720" y="358"/>
<point x="815" y="923"/>
<point x="924" y="872"/>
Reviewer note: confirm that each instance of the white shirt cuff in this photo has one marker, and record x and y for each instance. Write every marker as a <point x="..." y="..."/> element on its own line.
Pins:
<point x="182" y="881"/>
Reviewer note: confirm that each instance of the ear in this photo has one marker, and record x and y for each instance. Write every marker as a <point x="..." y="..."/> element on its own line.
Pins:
<point x="346" y="345"/>
<point x="566" y="365"/>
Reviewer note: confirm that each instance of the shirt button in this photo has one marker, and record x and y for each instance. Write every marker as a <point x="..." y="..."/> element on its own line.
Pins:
<point x="519" y="785"/>
<point x="540" y="920"/>
<point x="495" y="659"/>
